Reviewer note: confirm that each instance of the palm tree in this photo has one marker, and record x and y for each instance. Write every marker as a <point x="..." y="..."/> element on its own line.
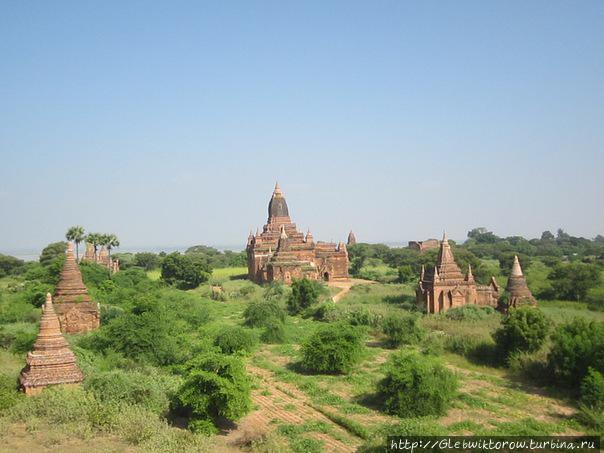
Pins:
<point x="76" y="234"/>
<point x="110" y="241"/>
<point x="95" y="240"/>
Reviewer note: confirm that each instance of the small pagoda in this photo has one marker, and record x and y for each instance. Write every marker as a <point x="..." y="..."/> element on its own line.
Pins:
<point x="352" y="240"/>
<point x="74" y="307"/>
<point x="517" y="289"/>
<point x="51" y="362"/>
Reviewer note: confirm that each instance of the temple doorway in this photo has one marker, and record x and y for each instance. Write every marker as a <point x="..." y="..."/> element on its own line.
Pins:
<point x="326" y="276"/>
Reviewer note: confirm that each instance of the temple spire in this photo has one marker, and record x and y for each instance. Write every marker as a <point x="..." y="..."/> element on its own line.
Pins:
<point x="277" y="191"/>
<point x="516" y="269"/>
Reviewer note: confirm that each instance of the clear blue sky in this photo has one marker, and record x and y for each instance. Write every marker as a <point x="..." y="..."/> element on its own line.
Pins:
<point x="168" y="123"/>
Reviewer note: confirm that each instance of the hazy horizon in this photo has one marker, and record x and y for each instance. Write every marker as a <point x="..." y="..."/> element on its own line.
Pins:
<point x="170" y="123"/>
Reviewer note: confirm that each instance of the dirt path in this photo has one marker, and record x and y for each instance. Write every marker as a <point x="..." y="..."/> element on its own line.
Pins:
<point x="278" y="402"/>
<point x="345" y="286"/>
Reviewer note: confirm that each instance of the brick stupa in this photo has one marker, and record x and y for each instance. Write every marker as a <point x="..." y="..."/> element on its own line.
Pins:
<point x="51" y="362"/>
<point x="518" y="290"/>
<point x="74" y="307"/>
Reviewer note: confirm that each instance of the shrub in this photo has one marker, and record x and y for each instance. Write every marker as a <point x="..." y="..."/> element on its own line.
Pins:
<point x="416" y="385"/>
<point x="304" y="294"/>
<point x="235" y="339"/>
<point x="576" y="346"/>
<point x="18" y="337"/>
<point x="402" y="329"/>
<point x="363" y="316"/>
<point x="333" y="348"/>
<point x="147" y="388"/>
<point x="263" y="312"/>
<point x="433" y="344"/>
<point x="93" y="274"/>
<point x="523" y="329"/>
<point x="149" y="333"/>
<point x="592" y="390"/>
<point x="274" y="332"/>
<point x="215" y="386"/>
<point x="35" y="293"/>
<point x="469" y="313"/>
<point x="9" y="394"/>
<point x="572" y="281"/>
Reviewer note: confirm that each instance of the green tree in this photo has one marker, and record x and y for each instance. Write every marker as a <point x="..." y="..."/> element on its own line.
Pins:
<point x="576" y="346"/>
<point x="592" y="390"/>
<point x="52" y="251"/>
<point x="76" y="234"/>
<point x="216" y="386"/>
<point x="9" y="265"/>
<point x="417" y="385"/>
<point x="110" y="241"/>
<point x="147" y="260"/>
<point x="184" y="271"/>
<point x="95" y="239"/>
<point x="524" y="329"/>
<point x="333" y="348"/>
<point x="572" y="281"/>
<point x="304" y="294"/>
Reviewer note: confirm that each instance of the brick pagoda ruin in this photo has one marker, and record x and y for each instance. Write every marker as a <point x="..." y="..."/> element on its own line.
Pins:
<point x="282" y="253"/>
<point x="517" y="289"/>
<point x="51" y="362"/>
<point x="445" y="286"/>
<point x="74" y="307"/>
<point x="101" y="257"/>
<point x="422" y="246"/>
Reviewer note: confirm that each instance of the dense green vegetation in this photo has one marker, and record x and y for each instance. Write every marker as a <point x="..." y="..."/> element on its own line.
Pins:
<point x="176" y="362"/>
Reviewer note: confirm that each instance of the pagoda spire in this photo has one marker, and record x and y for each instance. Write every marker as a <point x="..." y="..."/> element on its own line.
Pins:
<point x="51" y="361"/>
<point x="516" y="269"/>
<point x="470" y="276"/>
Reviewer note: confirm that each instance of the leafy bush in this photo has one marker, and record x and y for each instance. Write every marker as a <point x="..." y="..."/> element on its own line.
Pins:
<point x="35" y="293"/>
<point x="333" y="348"/>
<point x="576" y="346"/>
<point x="572" y="281"/>
<point x="304" y="294"/>
<point x="9" y="394"/>
<point x="147" y="260"/>
<point x="147" y="388"/>
<point x="523" y="329"/>
<point x="148" y="332"/>
<point x="433" y="344"/>
<point x="215" y="386"/>
<point x="52" y="251"/>
<point x="185" y="271"/>
<point x="416" y="385"/>
<point x="592" y="390"/>
<point x="469" y="313"/>
<point x="235" y="339"/>
<point x="18" y="337"/>
<point x="274" y="332"/>
<point x="402" y="329"/>
<point x="263" y="312"/>
<point x="93" y="274"/>
<point x="17" y="310"/>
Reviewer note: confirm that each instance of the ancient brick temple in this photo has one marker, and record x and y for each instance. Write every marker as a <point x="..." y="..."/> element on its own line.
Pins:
<point x="74" y="307"/>
<point x="51" y="361"/>
<point x="282" y="253"/>
<point x="101" y="257"/>
<point x="517" y="289"/>
<point x="445" y="287"/>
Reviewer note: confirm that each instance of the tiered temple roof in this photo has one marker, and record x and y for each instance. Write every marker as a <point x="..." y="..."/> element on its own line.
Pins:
<point x="351" y="238"/>
<point x="281" y="252"/>
<point x="71" y="287"/>
<point x="51" y="361"/>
